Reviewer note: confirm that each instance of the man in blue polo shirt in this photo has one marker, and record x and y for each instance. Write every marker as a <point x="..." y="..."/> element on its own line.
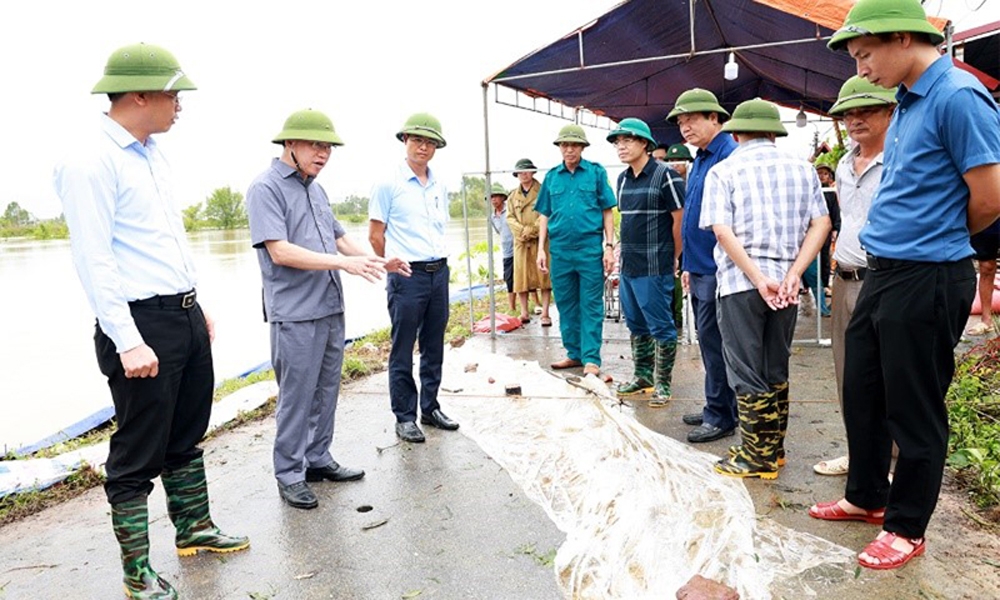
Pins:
<point x="301" y="247"/>
<point x="575" y="203"/>
<point x="941" y="182"/>
<point x="651" y="201"/>
<point x="407" y="217"/>
<point x="700" y="117"/>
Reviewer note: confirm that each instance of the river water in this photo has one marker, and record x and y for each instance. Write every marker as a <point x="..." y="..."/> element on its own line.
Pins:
<point x="48" y="373"/>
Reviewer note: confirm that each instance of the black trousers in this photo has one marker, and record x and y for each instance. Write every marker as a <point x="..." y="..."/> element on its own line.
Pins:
<point x="899" y="363"/>
<point x="756" y="342"/>
<point x="160" y="419"/>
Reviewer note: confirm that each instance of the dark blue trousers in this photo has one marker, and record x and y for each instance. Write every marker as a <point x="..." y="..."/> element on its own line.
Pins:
<point x="720" y="401"/>
<point x="418" y="309"/>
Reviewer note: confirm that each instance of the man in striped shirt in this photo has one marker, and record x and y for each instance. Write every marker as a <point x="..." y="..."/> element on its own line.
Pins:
<point x="651" y="201"/>
<point x="768" y="214"/>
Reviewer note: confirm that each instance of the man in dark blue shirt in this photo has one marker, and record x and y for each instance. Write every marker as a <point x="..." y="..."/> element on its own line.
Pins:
<point x="700" y="118"/>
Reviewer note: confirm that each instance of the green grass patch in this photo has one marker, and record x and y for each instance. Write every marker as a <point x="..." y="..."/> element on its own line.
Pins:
<point x="974" y="417"/>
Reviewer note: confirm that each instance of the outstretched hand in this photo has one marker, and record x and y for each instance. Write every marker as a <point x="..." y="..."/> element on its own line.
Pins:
<point x="371" y="268"/>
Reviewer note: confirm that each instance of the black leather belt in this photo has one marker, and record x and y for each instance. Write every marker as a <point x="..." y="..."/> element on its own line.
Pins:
<point x="182" y="301"/>
<point x="429" y="266"/>
<point x="885" y="264"/>
<point x="852" y="274"/>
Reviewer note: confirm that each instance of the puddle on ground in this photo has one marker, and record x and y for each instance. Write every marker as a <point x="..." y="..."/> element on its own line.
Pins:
<point x="642" y="512"/>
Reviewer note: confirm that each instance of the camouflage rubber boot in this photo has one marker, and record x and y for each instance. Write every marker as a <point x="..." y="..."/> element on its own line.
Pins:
<point x="642" y="355"/>
<point x="187" y="503"/>
<point x="666" y="354"/>
<point x="130" y="520"/>
<point x="757" y="455"/>
<point x="781" y="393"/>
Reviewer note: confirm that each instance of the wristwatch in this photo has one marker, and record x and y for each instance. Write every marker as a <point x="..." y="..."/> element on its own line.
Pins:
<point x="608" y="245"/>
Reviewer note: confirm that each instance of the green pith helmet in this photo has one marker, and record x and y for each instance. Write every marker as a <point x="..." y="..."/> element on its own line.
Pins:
<point x="870" y="17"/>
<point x="309" y="125"/>
<point x="573" y="134"/>
<point x="498" y="190"/>
<point x="424" y="125"/>
<point x="858" y="92"/>
<point x="697" y="100"/>
<point x="142" y="68"/>
<point x="524" y="166"/>
<point x="679" y="152"/>
<point x="756" y="116"/>
<point x="635" y="128"/>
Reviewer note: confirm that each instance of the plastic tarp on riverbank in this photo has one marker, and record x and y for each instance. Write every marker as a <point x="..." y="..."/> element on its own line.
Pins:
<point x="642" y="512"/>
<point x="637" y="58"/>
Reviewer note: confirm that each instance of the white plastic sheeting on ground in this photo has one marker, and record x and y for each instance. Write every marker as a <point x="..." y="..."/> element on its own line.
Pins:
<point x="642" y="512"/>
<point x="18" y="476"/>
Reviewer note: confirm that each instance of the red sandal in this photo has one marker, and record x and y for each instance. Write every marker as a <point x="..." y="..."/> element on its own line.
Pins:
<point x="889" y="557"/>
<point x="831" y="511"/>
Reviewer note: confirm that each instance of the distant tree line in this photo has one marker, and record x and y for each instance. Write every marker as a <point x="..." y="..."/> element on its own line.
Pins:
<point x="18" y="222"/>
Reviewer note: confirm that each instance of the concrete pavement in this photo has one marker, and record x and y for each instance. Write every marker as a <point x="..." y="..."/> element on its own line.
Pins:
<point x="443" y="520"/>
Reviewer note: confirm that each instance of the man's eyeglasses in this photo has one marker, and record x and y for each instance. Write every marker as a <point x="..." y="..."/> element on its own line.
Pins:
<point x="625" y="140"/>
<point x="175" y="96"/>
<point x="421" y="141"/>
<point x="322" y="146"/>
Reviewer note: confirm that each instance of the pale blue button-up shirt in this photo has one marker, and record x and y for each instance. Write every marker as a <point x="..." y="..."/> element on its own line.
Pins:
<point x="415" y="215"/>
<point x="126" y="232"/>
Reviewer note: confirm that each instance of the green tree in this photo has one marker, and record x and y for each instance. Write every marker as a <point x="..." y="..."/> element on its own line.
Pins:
<point x="15" y="216"/>
<point x="475" y="193"/>
<point x="352" y="205"/>
<point x="193" y="217"/>
<point x="224" y="209"/>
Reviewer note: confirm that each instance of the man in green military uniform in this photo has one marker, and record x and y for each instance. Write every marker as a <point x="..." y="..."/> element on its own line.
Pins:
<point x="575" y="203"/>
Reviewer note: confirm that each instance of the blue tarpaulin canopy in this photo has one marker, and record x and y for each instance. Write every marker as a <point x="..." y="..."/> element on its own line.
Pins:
<point x="637" y="58"/>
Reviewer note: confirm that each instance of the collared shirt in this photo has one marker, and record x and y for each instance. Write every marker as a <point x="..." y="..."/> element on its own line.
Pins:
<point x="500" y="226"/>
<point x="944" y="126"/>
<point x="127" y="234"/>
<point x="699" y="244"/>
<point x="414" y="214"/>
<point x="856" y="193"/>
<point x="574" y="203"/>
<point x="768" y="199"/>
<point x="647" y="203"/>
<point x="283" y="207"/>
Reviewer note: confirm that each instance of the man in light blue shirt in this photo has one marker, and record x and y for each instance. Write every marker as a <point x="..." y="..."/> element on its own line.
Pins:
<point x="498" y="218"/>
<point x="407" y="217"/>
<point x="152" y="339"/>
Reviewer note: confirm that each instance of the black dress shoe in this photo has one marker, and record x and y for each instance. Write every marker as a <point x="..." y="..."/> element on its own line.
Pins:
<point x="409" y="432"/>
<point x="692" y="419"/>
<point x="440" y="420"/>
<point x="708" y="433"/>
<point x="298" y="495"/>
<point x="334" y="472"/>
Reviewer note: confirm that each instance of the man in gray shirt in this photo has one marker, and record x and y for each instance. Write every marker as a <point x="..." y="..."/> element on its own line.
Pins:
<point x="301" y="247"/>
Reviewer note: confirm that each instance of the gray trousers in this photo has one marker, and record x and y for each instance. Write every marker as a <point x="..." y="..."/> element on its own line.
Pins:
<point x="756" y="341"/>
<point x="845" y="298"/>
<point x="307" y="357"/>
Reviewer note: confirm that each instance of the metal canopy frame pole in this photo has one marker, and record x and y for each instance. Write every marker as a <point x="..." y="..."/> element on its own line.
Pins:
<point x="489" y="220"/>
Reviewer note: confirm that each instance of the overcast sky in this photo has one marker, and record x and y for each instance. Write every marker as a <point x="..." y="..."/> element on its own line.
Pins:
<point x="368" y="65"/>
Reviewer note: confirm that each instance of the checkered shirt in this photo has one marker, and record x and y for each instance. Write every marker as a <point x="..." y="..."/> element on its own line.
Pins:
<point x="646" y="203"/>
<point x="768" y="199"/>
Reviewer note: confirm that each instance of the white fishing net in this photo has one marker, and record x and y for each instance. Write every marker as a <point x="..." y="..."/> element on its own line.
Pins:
<point x="642" y="512"/>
